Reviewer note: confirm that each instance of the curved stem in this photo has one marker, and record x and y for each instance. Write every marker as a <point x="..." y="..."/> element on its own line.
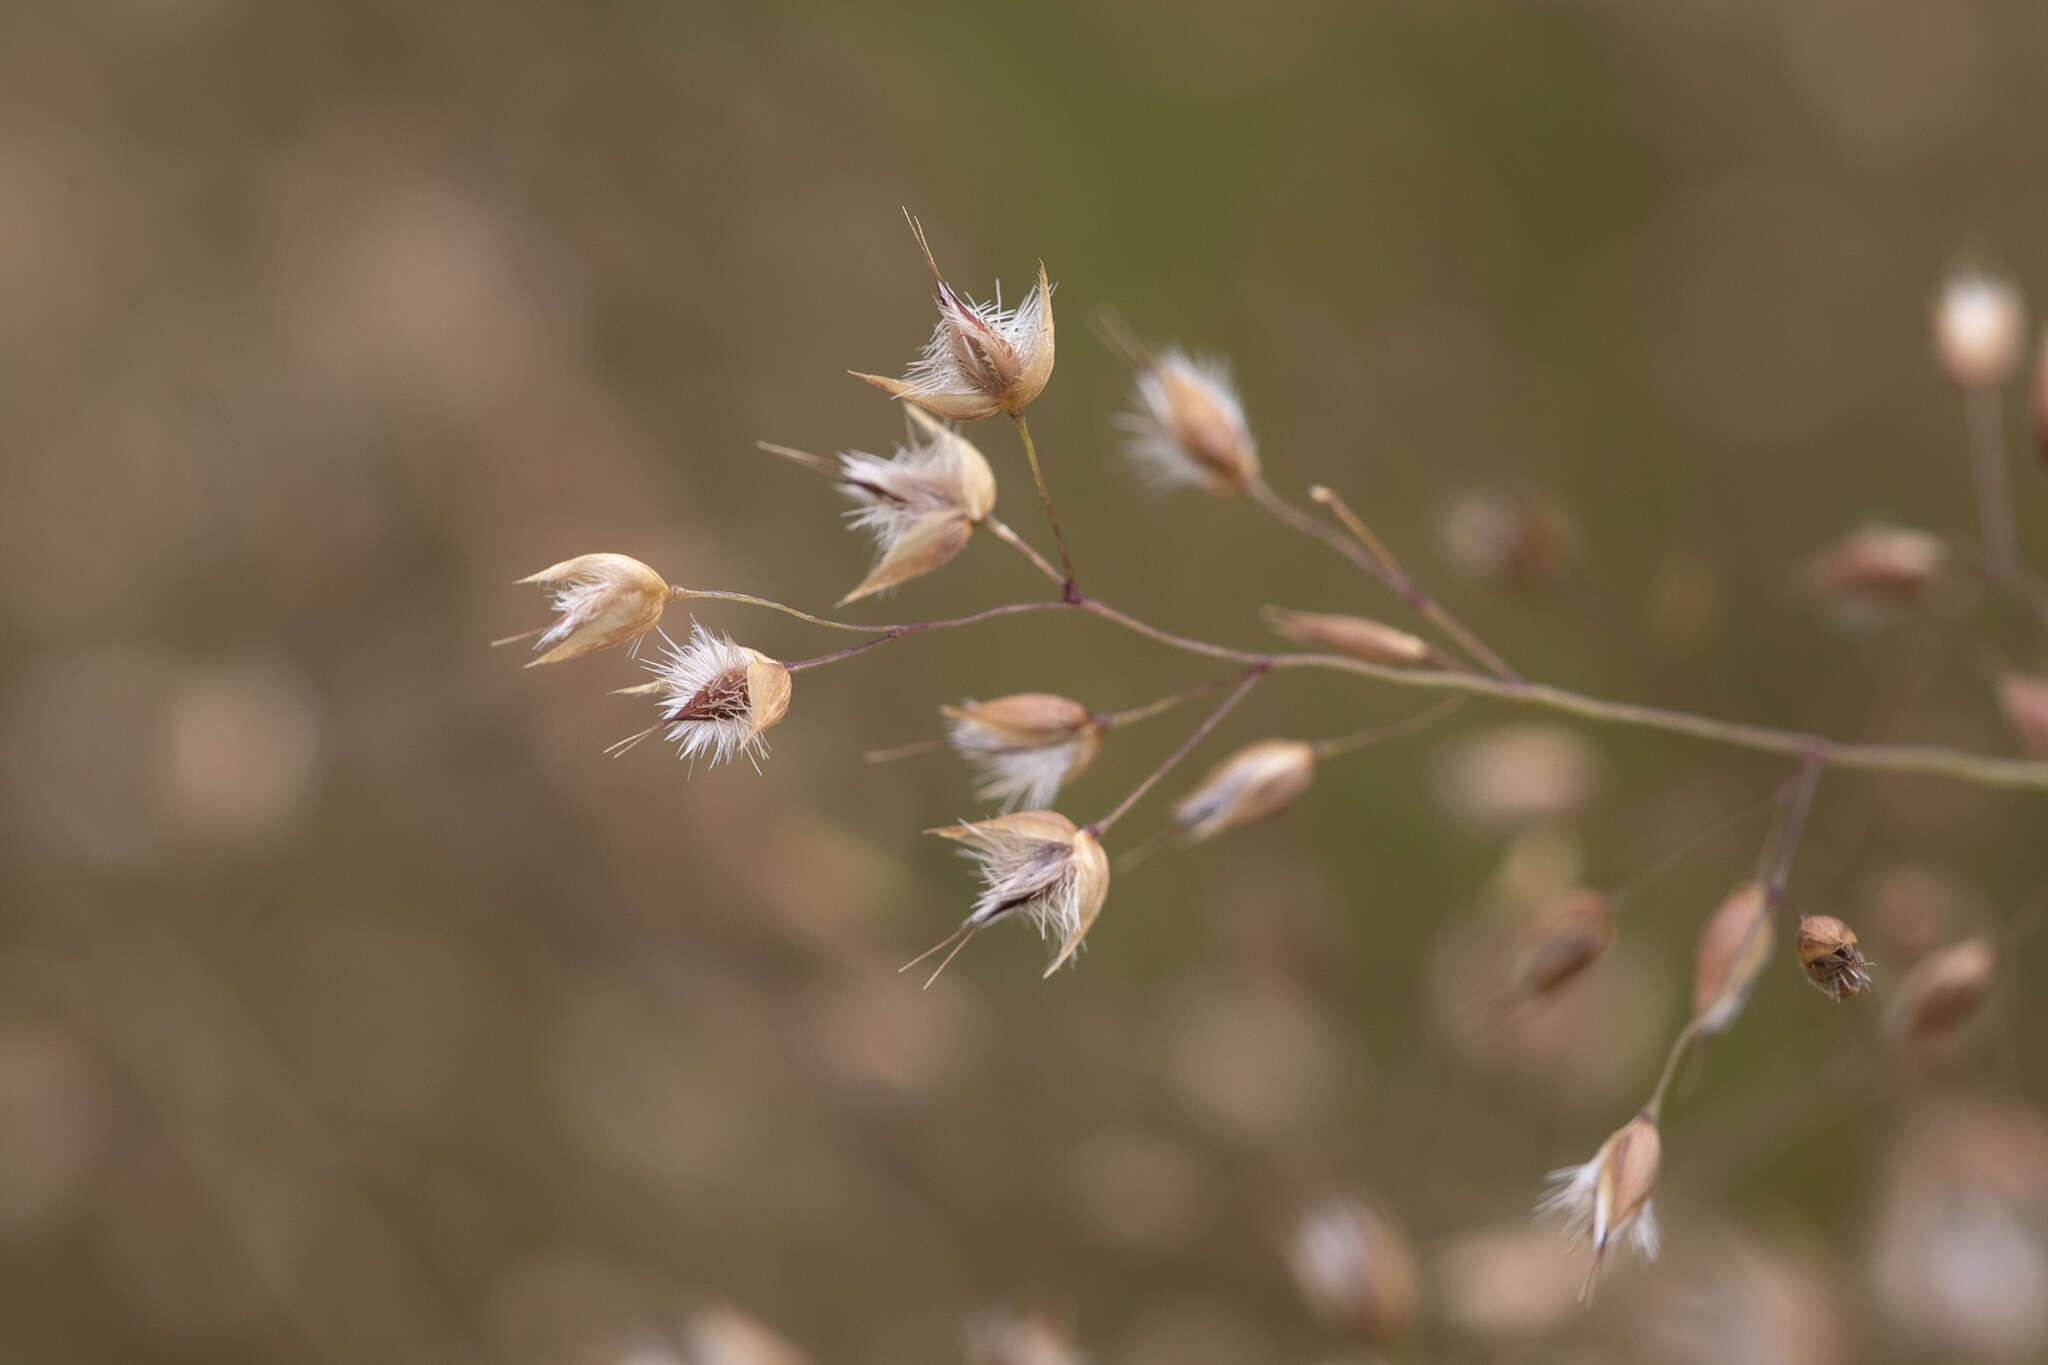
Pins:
<point x="1980" y="769"/>
<point x="1252" y="674"/>
<point x="1691" y="844"/>
<point x="1421" y="720"/>
<point x="799" y="665"/>
<point x="1109" y="720"/>
<point x="1671" y="1060"/>
<point x="1410" y="593"/>
<point x="1988" y="472"/>
<point x="893" y="632"/>
<point x="1045" y="496"/>
<point x="1371" y="556"/>
<point x="1002" y="532"/>
<point x="1181" y="642"/>
<point x="1786" y="844"/>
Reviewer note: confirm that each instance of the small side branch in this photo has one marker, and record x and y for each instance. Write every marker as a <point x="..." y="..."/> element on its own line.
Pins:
<point x="1252" y="674"/>
<point x="1045" y="496"/>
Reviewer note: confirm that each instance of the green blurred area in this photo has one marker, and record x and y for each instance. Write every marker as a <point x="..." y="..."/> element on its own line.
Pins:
<point x="358" y="1009"/>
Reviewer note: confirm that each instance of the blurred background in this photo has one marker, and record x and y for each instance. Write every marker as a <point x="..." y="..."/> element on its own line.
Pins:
<point x="357" y="1008"/>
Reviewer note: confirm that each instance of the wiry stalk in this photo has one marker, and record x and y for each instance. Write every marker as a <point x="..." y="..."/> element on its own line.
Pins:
<point x="1928" y="760"/>
<point x="1343" y="744"/>
<point x="1994" y="487"/>
<point x="1402" y="584"/>
<point x="1045" y="497"/>
<point x="1252" y="674"/>
<point x="1370" y="555"/>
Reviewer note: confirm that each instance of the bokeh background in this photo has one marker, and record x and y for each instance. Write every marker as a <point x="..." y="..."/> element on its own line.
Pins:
<point x="356" y="1008"/>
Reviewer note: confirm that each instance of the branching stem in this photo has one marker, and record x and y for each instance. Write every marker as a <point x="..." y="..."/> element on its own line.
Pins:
<point x="1045" y="496"/>
<point x="1250" y="679"/>
<point x="1982" y="770"/>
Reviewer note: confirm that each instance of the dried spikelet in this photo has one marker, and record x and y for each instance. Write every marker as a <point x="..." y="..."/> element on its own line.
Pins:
<point x="1942" y="994"/>
<point x="1257" y="781"/>
<point x="1609" y="1196"/>
<point x="1977" y="322"/>
<point x="1024" y="746"/>
<point x="921" y="504"/>
<point x="600" y="600"/>
<point x="1516" y="537"/>
<point x="1355" y="1269"/>
<point x="1356" y="636"/>
<point x="1516" y="776"/>
<point x="1187" y="428"/>
<point x="1829" y="955"/>
<point x="2024" y="700"/>
<point x="1036" y="864"/>
<point x="1734" y="947"/>
<point x="982" y="359"/>
<point x="716" y="698"/>
<point x="1567" y="936"/>
<point x="1877" y="564"/>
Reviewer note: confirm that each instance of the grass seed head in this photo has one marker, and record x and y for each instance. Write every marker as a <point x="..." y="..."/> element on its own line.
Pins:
<point x="600" y="600"/>
<point x="982" y="359"/>
<point x="1519" y="537"/>
<point x="1829" y="955"/>
<point x="1257" y="781"/>
<point x="1371" y="641"/>
<point x="921" y="504"/>
<point x="1026" y="746"/>
<point x="1035" y="864"/>
<point x="1355" y="1269"/>
<point x="1883" y="565"/>
<point x="1569" y="934"/>
<point x="1733" y="949"/>
<point x="2023" y="698"/>
<point x="1608" y="1198"/>
<point x="1942" y="995"/>
<point x="1977" y="322"/>
<point x="1187" y="428"/>
<point x="716" y="698"/>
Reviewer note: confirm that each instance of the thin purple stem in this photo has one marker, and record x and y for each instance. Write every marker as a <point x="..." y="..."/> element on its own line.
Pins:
<point x="1252" y="674"/>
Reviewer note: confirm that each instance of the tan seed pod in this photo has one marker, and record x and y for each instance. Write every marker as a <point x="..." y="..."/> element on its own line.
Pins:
<point x="1568" y="936"/>
<point x="768" y="691"/>
<point x="981" y="359"/>
<point x="925" y="545"/>
<point x="1520" y="537"/>
<point x="1977" y="324"/>
<point x="1829" y="955"/>
<point x="1025" y="746"/>
<point x="1187" y="428"/>
<point x="1036" y="864"/>
<point x="1877" y="563"/>
<point x="600" y="600"/>
<point x="1356" y="636"/>
<point x="1733" y="949"/>
<point x="716" y="698"/>
<point x="1355" y="1269"/>
<point x="1610" y="1196"/>
<point x="1257" y="781"/>
<point x="2024" y="700"/>
<point x="1942" y="994"/>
